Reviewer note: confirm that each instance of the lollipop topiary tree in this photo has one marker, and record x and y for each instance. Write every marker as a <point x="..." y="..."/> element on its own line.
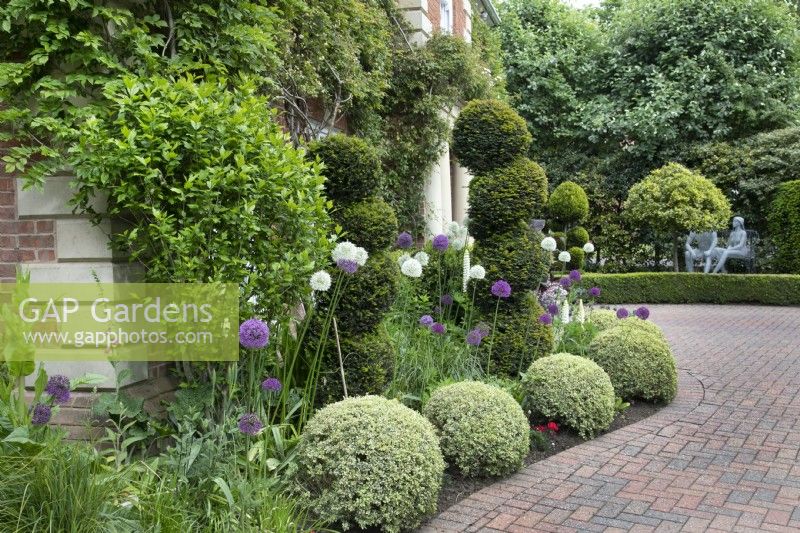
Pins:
<point x="353" y="182"/>
<point x="508" y="190"/>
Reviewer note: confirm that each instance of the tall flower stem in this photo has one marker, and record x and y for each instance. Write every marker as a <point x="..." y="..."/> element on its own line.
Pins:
<point x="494" y="333"/>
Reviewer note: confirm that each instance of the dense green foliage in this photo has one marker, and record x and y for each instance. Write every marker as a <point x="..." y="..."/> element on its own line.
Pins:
<point x="568" y="204"/>
<point x="572" y="390"/>
<point x="501" y="198"/>
<point x="368" y="360"/>
<point x="784" y="221"/>
<point x="202" y="174"/>
<point x="576" y="258"/>
<point x="370" y="462"/>
<point x="602" y="318"/>
<point x="489" y="134"/>
<point x="370" y="223"/>
<point x="482" y="429"/>
<point x="668" y="287"/>
<point x="639" y="363"/>
<point x="519" y="339"/>
<point x="577" y="236"/>
<point x="352" y="167"/>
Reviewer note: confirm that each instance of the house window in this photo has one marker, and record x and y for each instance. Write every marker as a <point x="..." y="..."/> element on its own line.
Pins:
<point x="446" y="16"/>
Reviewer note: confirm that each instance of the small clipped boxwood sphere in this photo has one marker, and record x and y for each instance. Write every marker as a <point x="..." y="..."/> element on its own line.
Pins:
<point x="370" y="462"/>
<point x="489" y="134"/>
<point x="577" y="236"/>
<point x="639" y="363"/>
<point x="603" y="319"/>
<point x="520" y="338"/>
<point x="482" y="429"/>
<point x="576" y="258"/>
<point x="370" y="223"/>
<point x="572" y="390"/>
<point x="352" y="167"/>
<point x="501" y="198"/>
<point x="568" y="203"/>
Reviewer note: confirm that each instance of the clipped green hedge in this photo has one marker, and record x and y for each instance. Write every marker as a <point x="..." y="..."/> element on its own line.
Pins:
<point x="520" y="338"/>
<point x="370" y="462"/>
<point x="352" y="167"/>
<point x="577" y="236"/>
<point x="370" y="223"/>
<point x="576" y="258"/>
<point x="784" y="223"/>
<point x="500" y="199"/>
<point x="482" y="428"/>
<point x="686" y="287"/>
<point x="568" y="203"/>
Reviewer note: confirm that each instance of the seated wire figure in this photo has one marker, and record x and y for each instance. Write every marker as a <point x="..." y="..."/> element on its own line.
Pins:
<point x="706" y="243"/>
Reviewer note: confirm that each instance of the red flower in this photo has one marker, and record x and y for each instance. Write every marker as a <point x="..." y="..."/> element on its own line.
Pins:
<point x="552" y="426"/>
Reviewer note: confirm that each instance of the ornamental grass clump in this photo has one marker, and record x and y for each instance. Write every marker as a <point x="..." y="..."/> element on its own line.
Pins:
<point x="639" y="362"/>
<point x="572" y="390"/>
<point x="483" y="430"/>
<point x="370" y="462"/>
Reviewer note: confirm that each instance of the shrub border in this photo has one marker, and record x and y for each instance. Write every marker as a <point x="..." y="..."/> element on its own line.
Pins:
<point x="685" y="287"/>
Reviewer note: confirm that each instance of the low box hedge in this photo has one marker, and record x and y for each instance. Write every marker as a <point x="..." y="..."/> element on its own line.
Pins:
<point x="685" y="287"/>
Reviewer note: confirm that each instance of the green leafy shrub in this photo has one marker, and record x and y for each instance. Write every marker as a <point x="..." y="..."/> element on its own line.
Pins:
<point x="784" y="224"/>
<point x="519" y="338"/>
<point x="370" y="462"/>
<point x="352" y="167"/>
<point x="639" y="363"/>
<point x="482" y="429"/>
<point x="644" y="325"/>
<point x="572" y="390"/>
<point x="577" y="236"/>
<point x="503" y="197"/>
<point x="368" y="365"/>
<point x="209" y="184"/>
<point x="516" y="257"/>
<point x="602" y="318"/>
<point x="489" y="134"/>
<point x="576" y="258"/>
<point x="369" y="223"/>
<point x="568" y="203"/>
<point x="684" y="287"/>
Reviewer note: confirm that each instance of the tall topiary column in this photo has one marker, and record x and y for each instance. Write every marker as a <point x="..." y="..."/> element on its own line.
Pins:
<point x="507" y="190"/>
<point x="354" y="183"/>
<point x="567" y="207"/>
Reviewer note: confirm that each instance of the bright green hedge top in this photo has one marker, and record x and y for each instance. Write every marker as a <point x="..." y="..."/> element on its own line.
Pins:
<point x="352" y="167"/>
<point x="568" y="203"/>
<point x="602" y="318"/>
<point x="483" y="430"/>
<point x="571" y="390"/>
<point x="370" y="462"/>
<point x="489" y="134"/>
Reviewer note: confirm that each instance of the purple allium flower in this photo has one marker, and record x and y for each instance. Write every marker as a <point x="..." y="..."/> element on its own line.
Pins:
<point x="594" y="292"/>
<point x="41" y="414"/>
<point x="565" y="282"/>
<point x="438" y="328"/>
<point x="546" y="319"/>
<point x="622" y="313"/>
<point x="441" y="242"/>
<point x="575" y="275"/>
<point x="58" y="388"/>
<point x="250" y="424"/>
<point x="426" y="320"/>
<point x="642" y="312"/>
<point x="254" y="334"/>
<point x="475" y="337"/>
<point x="404" y="240"/>
<point x="348" y="266"/>
<point x="501" y="288"/>
<point x="552" y="309"/>
<point x="446" y="300"/>
<point x="271" y="385"/>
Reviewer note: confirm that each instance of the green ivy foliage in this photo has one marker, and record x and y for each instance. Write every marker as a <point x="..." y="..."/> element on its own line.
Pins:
<point x="489" y="134"/>
<point x="503" y="197"/>
<point x="370" y="223"/>
<point x="482" y="428"/>
<point x="784" y="220"/>
<point x="370" y="462"/>
<point x="352" y="167"/>
<point x="209" y="185"/>
<point x="568" y="204"/>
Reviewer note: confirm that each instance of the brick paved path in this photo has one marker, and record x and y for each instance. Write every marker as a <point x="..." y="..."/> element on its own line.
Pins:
<point x="723" y="456"/>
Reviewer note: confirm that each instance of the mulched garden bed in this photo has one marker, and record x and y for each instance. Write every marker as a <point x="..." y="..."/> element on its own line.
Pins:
<point x="456" y="488"/>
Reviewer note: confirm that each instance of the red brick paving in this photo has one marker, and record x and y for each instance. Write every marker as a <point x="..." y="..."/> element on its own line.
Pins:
<point x="722" y="457"/>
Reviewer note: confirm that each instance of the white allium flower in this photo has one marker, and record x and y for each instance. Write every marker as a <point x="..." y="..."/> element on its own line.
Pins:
<point x="422" y="258"/>
<point x="403" y="258"/>
<point x="465" y="271"/>
<point x="581" y="314"/>
<point x="549" y="244"/>
<point x="411" y="268"/>
<point x="344" y="250"/>
<point x="564" y="257"/>
<point x="361" y="256"/>
<point x="453" y="229"/>
<point x="588" y="248"/>
<point x="320" y="281"/>
<point x="477" y="272"/>
<point x="458" y="243"/>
